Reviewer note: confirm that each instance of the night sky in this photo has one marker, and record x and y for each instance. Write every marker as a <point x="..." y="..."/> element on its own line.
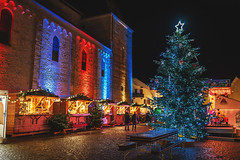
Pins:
<point x="214" y="24"/>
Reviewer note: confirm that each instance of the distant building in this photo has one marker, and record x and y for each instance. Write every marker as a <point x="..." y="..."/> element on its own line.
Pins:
<point x="235" y="86"/>
<point x="225" y="99"/>
<point x="143" y="94"/>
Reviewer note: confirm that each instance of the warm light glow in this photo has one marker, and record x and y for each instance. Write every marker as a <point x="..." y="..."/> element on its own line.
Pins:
<point x="123" y="92"/>
<point x="133" y="109"/>
<point x="121" y="109"/>
<point x="108" y="109"/>
<point x="36" y="105"/>
<point x="78" y="107"/>
<point x="220" y="90"/>
<point x="144" y="110"/>
<point x="212" y="101"/>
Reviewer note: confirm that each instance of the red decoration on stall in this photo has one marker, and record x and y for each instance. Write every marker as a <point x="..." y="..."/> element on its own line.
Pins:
<point x="211" y="93"/>
<point x="225" y="94"/>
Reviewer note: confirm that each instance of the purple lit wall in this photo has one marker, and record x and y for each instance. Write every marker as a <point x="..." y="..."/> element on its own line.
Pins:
<point x="54" y="72"/>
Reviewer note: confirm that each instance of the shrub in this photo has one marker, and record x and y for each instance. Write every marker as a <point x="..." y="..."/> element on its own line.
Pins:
<point x="58" y="122"/>
<point x="96" y="115"/>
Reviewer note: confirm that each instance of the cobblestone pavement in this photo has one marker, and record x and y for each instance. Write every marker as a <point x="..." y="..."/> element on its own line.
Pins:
<point x="103" y="145"/>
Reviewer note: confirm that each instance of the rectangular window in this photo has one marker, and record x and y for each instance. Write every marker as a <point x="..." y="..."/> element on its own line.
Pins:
<point x="136" y="91"/>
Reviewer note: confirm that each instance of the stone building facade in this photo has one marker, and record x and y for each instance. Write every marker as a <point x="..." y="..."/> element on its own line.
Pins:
<point x="142" y="93"/>
<point x="118" y="37"/>
<point x="43" y="45"/>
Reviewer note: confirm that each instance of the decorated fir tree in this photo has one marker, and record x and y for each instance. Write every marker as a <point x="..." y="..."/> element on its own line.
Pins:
<point x="179" y="82"/>
<point x="96" y="115"/>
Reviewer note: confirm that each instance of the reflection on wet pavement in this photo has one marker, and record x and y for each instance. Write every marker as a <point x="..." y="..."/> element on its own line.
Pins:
<point x="103" y="145"/>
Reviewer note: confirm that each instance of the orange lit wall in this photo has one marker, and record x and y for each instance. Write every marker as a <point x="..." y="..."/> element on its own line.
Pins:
<point x="83" y="80"/>
<point x="16" y="60"/>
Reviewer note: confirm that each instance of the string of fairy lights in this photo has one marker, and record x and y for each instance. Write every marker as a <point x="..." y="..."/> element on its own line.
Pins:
<point x="20" y="98"/>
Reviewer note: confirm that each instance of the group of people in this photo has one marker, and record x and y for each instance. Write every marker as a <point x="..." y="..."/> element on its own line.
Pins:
<point x="134" y="121"/>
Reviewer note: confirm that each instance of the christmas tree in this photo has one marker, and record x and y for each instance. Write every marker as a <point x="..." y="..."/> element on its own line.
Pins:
<point x="96" y="115"/>
<point x="179" y="81"/>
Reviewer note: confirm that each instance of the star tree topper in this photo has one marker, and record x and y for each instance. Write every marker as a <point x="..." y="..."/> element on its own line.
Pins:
<point x="179" y="27"/>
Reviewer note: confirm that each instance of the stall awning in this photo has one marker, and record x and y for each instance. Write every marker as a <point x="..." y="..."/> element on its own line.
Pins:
<point x="37" y="92"/>
<point x="123" y="103"/>
<point x="135" y="105"/>
<point x="79" y="97"/>
<point x="105" y="101"/>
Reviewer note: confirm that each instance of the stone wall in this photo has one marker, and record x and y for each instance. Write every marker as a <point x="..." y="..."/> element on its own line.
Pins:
<point x="65" y="77"/>
<point x="16" y="59"/>
<point x="117" y="36"/>
<point x="122" y="61"/>
<point x="27" y="62"/>
<point x="96" y="26"/>
<point x="52" y="75"/>
<point x="83" y="80"/>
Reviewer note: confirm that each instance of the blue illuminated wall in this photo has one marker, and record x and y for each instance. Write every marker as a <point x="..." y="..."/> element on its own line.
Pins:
<point x="106" y="75"/>
<point x="129" y="64"/>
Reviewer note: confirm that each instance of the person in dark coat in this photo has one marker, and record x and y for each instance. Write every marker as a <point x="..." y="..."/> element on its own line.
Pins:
<point x="127" y="119"/>
<point x="134" y="121"/>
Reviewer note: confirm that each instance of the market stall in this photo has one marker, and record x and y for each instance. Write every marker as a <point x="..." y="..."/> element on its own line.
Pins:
<point x="33" y="110"/>
<point x="108" y="106"/>
<point x="134" y="107"/>
<point x="77" y="108"/>
<point x="121" y="108"/>
<point x="217" y="99"/>
<point x="141" y="110"/>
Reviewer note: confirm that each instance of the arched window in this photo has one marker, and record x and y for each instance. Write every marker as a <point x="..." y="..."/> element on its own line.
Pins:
<point x="55" y="49"/>
<point x="84" y="60"/>
<point x="5" y="26"/>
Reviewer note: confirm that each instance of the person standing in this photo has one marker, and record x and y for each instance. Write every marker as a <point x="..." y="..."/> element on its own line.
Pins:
<point x="127" y="119"/>
<point x="134" y="121"/>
